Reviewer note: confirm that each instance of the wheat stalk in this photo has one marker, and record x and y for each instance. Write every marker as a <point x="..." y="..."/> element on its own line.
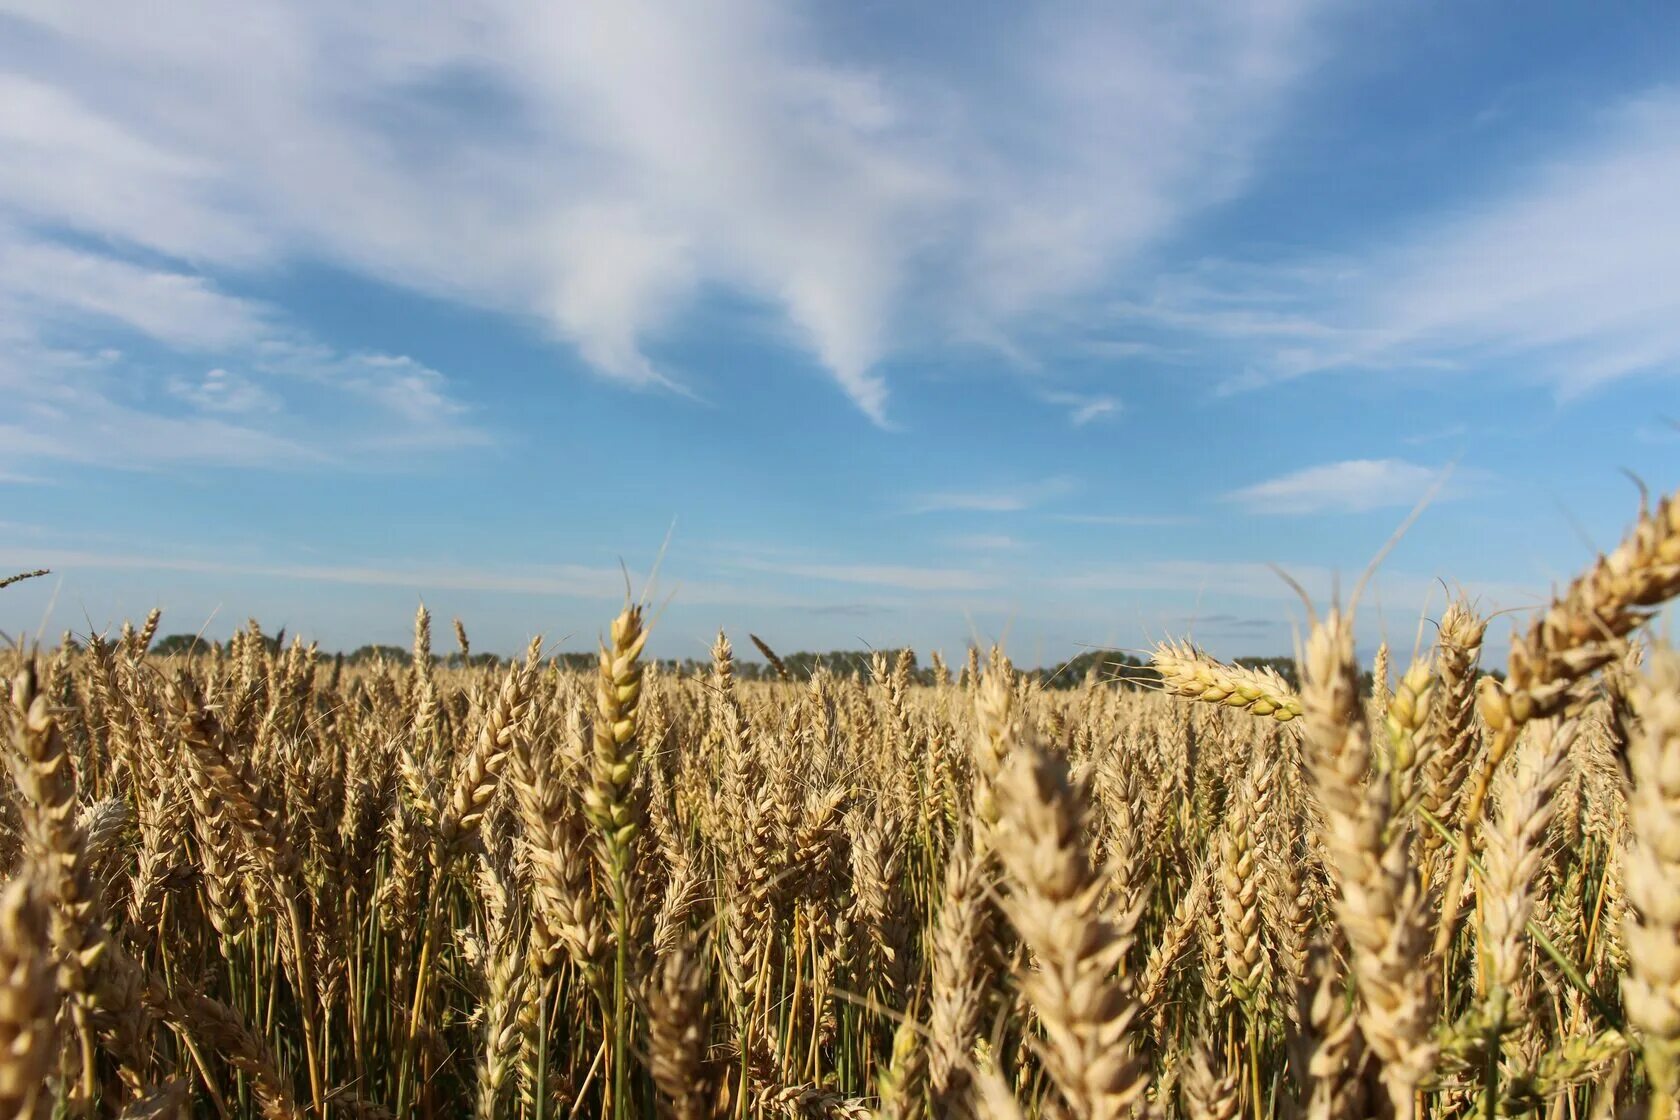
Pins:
<point x="1651" y="989"/>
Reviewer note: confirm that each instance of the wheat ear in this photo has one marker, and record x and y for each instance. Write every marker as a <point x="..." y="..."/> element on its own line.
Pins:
<point x="618" y="693"/>
<point x="28" y="1002"/>
<point x="959" y="950"/>
<point x="1381" y="906"/>
<point x="1452" y="725"/>
<point x="679" y="1028"/>
<point x="1188" y="672"/>
<point x="1055" y="903"/>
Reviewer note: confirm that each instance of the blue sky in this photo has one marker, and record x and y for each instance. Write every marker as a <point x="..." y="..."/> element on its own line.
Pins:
<point x="1056" y="322"/>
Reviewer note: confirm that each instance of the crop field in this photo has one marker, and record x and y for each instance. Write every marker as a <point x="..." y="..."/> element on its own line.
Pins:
<point x="249" y="881"/>
<point x="784" y="560"/>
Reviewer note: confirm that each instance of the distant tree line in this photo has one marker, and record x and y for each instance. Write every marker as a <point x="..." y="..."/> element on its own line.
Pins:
<point x="1110" y="666"/>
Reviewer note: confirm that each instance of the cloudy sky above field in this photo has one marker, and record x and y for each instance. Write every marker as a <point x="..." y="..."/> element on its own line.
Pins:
<point x="1062" y="322"/>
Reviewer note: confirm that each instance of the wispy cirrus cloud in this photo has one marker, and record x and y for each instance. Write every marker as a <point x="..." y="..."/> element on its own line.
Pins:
<point x="573" y="581"/>
<point x="86" y="417"/>
<point x="52" y="284"/>
<point x="1193" y="624"/>
<point x="1083" y="409"/>
<point x="561" y="579"/>
<point x="1570" y="264"/>
<point x="609" y="161"/>
<point x="1350" y="486"/>
<point x="985" y="542"/>
<point x="1127" y="520"/>
<point x="903" y="577"/>
<point x="1002" y="499"/>
<point x="221" y="391"/>
<point x="1247" y="580"/>
<point x="1575" y="262"/>
<point x="117" y="362"/>
<point x="848" y="610"/>
<point x="305" y="407"/>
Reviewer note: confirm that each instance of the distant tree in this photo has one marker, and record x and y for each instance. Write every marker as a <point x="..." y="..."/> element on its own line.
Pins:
<point x="1106" y="665"/>
<point x="477" y="661"/>
<point x="173" y="645"/>
<point x="367" y="653"/>
<point x="843" y="662"/>
<point x="1284" y="667"/>
<point x="1109" y="665"/>
<point x="578" y="661"/>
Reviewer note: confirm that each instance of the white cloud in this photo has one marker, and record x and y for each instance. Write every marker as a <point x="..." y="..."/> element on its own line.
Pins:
<point x="578" y="581"/>
<point x="1351" y="486"/>
<point x="900" y="576"/>
<point x="405" y="403"/>
<point x="1453" y="433"/>
<point x="221" y="391"/>
<point x="1568" y="268"/>
<point x="1131" y="118"/>
<point x="274" y="397"/>
<point x="49" y="284"/>
<point x="985" y="542"/>
<point x="297" y="406"/>
<point x="70" y="164"/>
<point x="1200" y="312"/>
<point x="1003" y="499"/>
<point x="572" y="580"/>
<point x="86" y="423"/>
<point x="1083" y="409"/>
<point x="1395" y="591"/>
<point x="1578" y="260"/>
<point x="1130" y="520"/>
<point x="1267" y="322"/>
<point x="600" y="163"/>
<point x="632" y="276"/>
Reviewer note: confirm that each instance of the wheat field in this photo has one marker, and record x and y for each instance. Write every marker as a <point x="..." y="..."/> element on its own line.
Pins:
<point x="252" y="882"/>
